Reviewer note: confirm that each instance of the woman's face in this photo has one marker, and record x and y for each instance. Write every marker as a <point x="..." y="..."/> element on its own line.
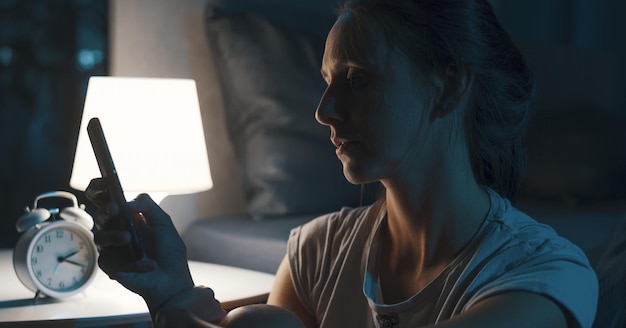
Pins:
<point x="375" y="105"/>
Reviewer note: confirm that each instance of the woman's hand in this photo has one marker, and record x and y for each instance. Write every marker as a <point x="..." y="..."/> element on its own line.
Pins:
<point x="163" y="271"/>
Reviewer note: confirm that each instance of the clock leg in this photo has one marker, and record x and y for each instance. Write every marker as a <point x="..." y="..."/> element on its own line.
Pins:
<point x="38" y="295"/>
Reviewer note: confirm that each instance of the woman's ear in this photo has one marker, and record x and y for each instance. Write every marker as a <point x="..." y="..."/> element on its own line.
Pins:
<point x="453" y="89"/>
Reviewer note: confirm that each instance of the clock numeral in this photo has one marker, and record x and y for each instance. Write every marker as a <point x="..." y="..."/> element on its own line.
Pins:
<point x="49" y="281"/>
<point x="38" y="248"/>
<point x="33" y="261"/>
<point x="46" y="238"/>
<point x="71" y="236"/>
<point x="61" y="284"/>
<point x="38" y="273"/>
<point x="74" y="281"/>
<point x="59" y="234"/>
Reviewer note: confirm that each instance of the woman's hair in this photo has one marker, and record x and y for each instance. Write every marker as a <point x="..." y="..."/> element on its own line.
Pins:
<point x="438" y="34"/>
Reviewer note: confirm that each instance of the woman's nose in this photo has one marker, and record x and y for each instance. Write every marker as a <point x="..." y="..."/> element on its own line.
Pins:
<point x="326" y="112"/>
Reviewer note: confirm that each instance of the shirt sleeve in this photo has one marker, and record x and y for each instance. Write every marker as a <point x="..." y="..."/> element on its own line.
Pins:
<point x="318" y="248"/>
<point x="558" y="270"/>
<point x="303" y="249"/>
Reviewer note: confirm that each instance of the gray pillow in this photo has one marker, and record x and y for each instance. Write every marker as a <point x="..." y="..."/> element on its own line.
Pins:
<point x="271" y="86"/>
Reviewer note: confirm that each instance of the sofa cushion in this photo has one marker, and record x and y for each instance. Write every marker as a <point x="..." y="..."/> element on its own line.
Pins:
<point x="241" y="242"/>
<point x="271" y="87"/>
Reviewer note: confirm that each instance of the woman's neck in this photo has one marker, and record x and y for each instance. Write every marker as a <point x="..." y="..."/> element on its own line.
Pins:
<point x="431" y="220"/>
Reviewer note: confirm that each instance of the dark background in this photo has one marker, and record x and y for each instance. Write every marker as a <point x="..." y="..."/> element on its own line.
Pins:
<point x="48" y="50"/>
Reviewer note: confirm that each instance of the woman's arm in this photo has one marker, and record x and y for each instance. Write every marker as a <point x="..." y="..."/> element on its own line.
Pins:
<point x="511" y="310"/>
<point x="284" y="295"/>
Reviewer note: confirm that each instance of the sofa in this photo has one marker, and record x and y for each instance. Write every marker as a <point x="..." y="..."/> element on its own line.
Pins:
<point x="257" y="72"/>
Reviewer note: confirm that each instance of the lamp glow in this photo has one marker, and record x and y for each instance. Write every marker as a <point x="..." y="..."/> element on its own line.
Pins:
<point x="154" y="131"/>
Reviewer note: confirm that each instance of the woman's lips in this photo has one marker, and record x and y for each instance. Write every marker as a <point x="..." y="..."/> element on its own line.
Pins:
<point x="338" y="142"/>
<point x="341" y="145"/>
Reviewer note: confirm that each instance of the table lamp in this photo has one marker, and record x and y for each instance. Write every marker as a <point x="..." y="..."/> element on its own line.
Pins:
<point x="154" y="131"/>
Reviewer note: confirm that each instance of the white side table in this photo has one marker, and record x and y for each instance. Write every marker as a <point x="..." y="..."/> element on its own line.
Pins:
<point x="106" y="302"/>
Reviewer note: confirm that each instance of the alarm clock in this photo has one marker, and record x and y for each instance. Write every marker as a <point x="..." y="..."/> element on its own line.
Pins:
<point x="56" y="255"/>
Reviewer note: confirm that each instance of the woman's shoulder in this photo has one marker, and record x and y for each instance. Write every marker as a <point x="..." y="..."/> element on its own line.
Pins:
<point x="317" y="249"/>
<point x="514" y="242"/>
<point x="517" y="227"/>
<point x="518" y="253"/>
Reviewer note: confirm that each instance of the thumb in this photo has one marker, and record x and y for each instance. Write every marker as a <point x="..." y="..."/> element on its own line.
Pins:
<point x="152" y="212"/>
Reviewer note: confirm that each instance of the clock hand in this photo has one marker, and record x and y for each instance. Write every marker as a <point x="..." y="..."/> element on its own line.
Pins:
<point x="75" y="263"/>
<point x="70" y="254"/>
<point x="62" y="259"/>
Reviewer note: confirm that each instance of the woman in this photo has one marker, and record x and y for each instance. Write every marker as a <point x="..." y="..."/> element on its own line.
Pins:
<point x="429" y="98"/>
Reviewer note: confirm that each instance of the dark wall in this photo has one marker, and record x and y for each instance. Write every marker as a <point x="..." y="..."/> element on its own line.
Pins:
<point x="48" y="50"/>
<point x="578" y="47"/>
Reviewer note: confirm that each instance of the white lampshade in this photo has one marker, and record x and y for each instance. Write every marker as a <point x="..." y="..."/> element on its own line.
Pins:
<point x="154" y="131"/>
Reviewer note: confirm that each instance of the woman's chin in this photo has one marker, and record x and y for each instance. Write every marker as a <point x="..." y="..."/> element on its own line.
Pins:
<point x="357" y="177"/>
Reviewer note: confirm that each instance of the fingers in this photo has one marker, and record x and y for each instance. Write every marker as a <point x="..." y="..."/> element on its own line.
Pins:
<point x="105" y="213"/>
<point x="152" y="213"/>
<point x="110" y="243"/>
<point x="145" y="209"/>
<point x="96" y="192"/>
<point x="109" y="263"/>
<point x="106" y="238"/>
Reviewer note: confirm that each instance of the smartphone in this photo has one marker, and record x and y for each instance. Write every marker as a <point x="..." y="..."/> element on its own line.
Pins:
<point x="125" y="221"/>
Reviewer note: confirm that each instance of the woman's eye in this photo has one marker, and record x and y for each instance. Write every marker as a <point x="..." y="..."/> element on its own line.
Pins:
<point x="355" y="78"/>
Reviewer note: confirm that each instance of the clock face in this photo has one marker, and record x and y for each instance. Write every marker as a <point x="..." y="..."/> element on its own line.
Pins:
<point x="61" y="259"/>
